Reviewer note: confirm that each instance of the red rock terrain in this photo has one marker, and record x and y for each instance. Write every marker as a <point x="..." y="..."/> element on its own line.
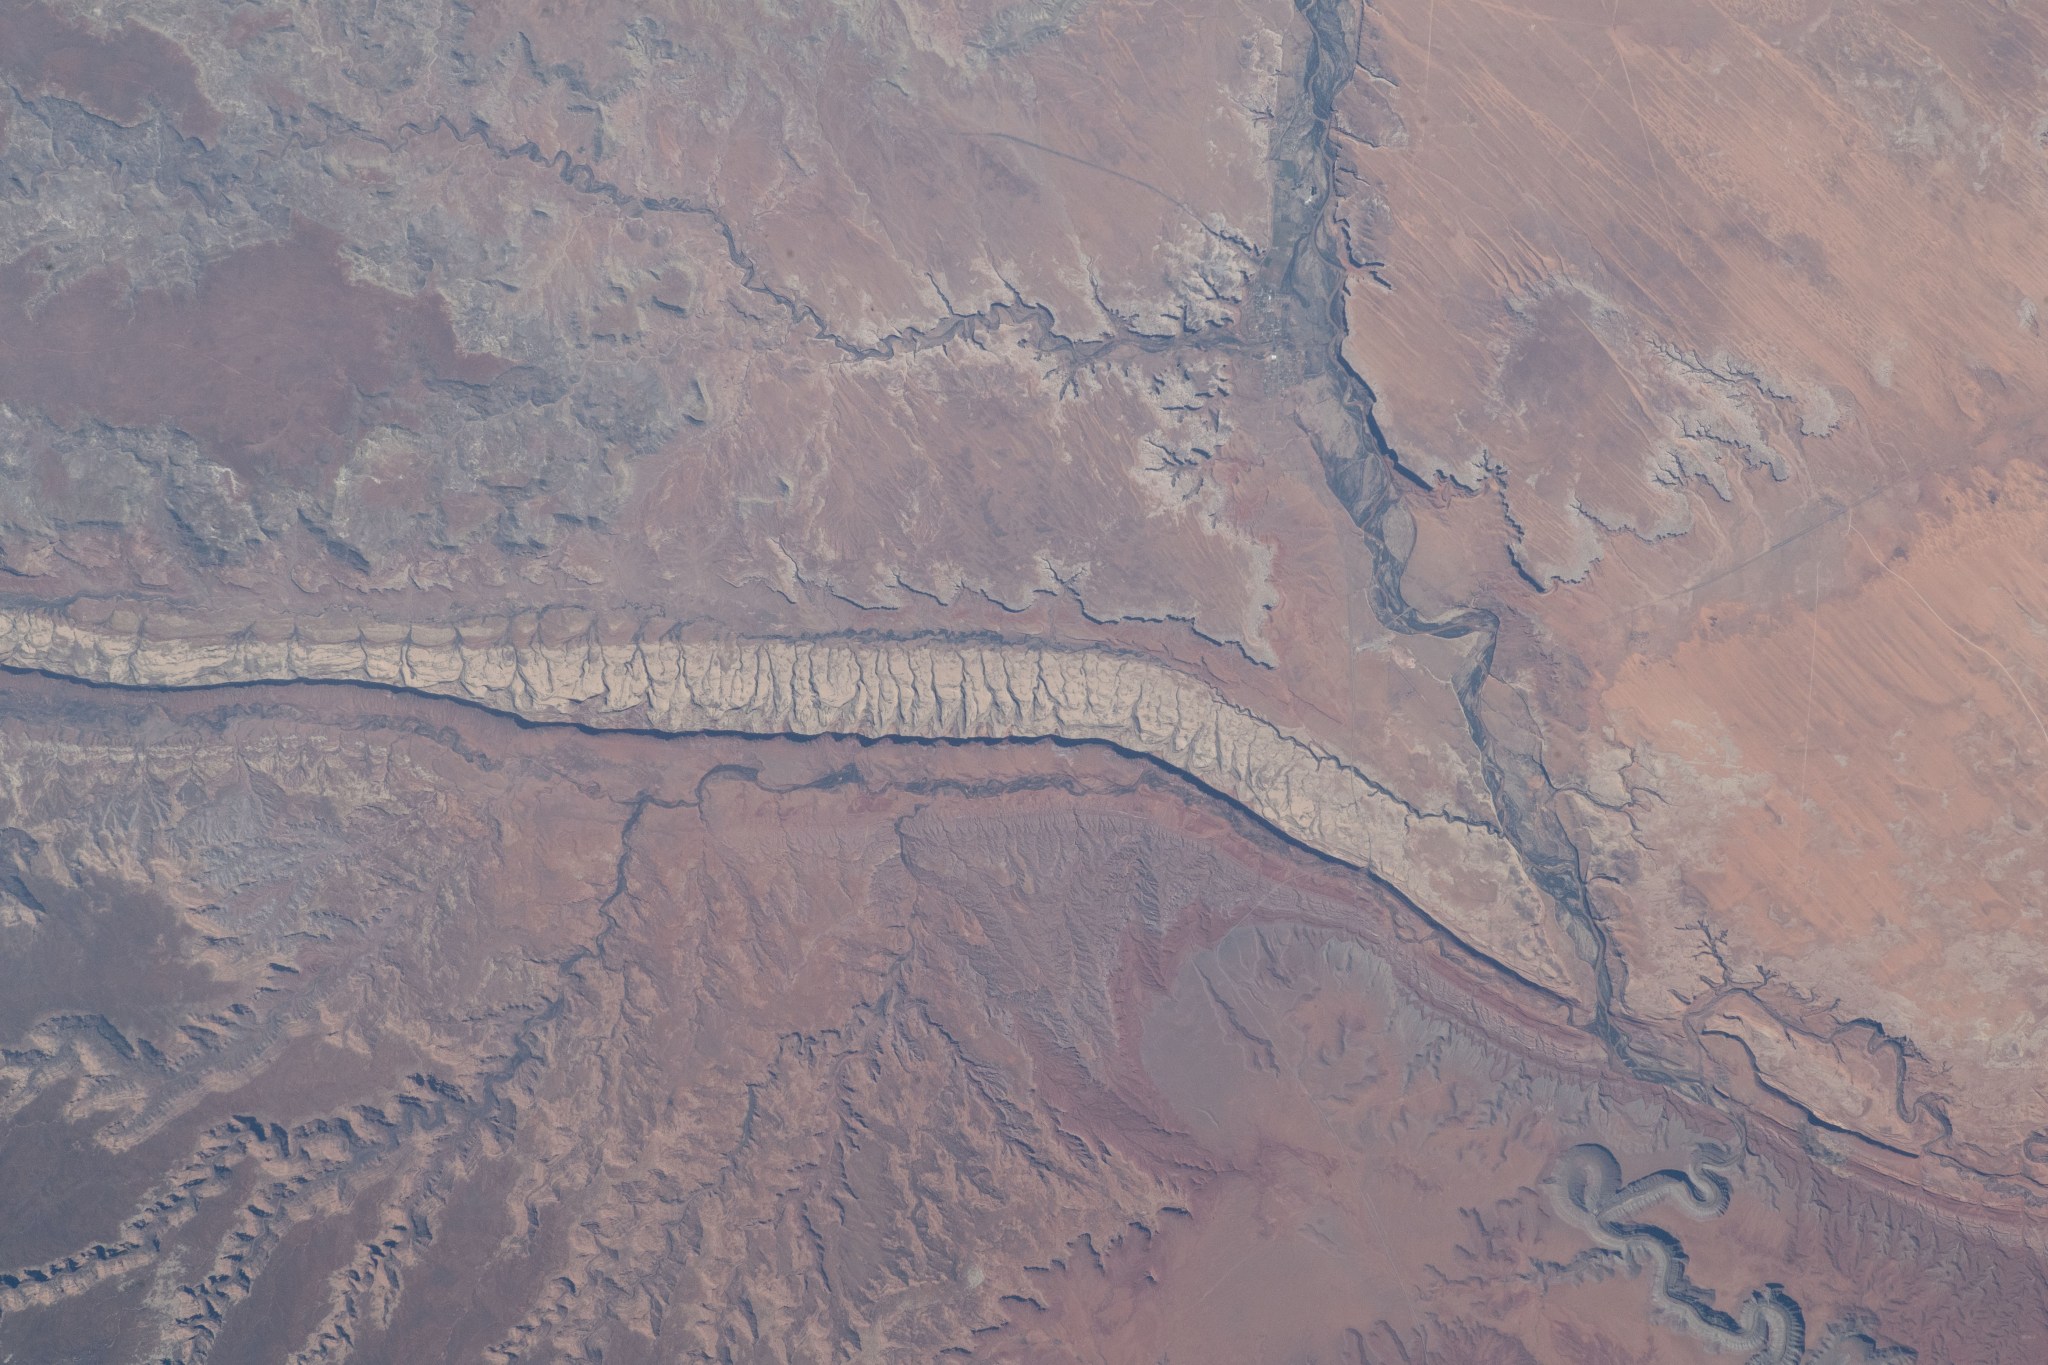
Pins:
<point x="415" y="1034"/>
<point x="1030" y="683"/>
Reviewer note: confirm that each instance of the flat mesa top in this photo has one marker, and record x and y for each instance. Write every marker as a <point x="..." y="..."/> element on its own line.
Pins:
<point x="1041" y="681"/>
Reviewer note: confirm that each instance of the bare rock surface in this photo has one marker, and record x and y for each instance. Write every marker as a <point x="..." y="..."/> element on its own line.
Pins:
<point x="1737" y="378"/>
<point x="463" y="1040"/>
<point x="1284" y="680"/>
<point x="880" y="689"/>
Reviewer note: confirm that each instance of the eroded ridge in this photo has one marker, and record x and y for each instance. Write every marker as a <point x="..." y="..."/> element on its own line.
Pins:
<point x="1463" y="872"/>
<point x="1587" y="1191"/>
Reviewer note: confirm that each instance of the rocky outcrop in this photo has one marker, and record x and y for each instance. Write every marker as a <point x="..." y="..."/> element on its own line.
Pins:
<point x="1587" y="1191"/>
<point x="562" y="666"/>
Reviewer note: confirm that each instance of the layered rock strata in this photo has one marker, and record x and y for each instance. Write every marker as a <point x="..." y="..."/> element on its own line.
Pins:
<point x="1462" y="871"/>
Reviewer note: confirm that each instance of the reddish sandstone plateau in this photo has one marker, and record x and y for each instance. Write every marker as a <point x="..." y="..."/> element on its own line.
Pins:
<point x="1078" y="681"/>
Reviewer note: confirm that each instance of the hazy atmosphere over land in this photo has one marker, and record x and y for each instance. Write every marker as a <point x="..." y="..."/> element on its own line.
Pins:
<point x="1086" y="681"/>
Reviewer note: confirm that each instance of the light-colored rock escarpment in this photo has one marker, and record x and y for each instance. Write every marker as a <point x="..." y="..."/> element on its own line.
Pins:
<point x="561" y="666"/>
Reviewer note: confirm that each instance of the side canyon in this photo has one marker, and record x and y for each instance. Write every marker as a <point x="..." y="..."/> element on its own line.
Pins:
<point x="1294" y="681"/>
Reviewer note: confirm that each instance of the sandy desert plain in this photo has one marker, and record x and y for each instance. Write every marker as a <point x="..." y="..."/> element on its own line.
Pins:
<point x="1084" y="681"/>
